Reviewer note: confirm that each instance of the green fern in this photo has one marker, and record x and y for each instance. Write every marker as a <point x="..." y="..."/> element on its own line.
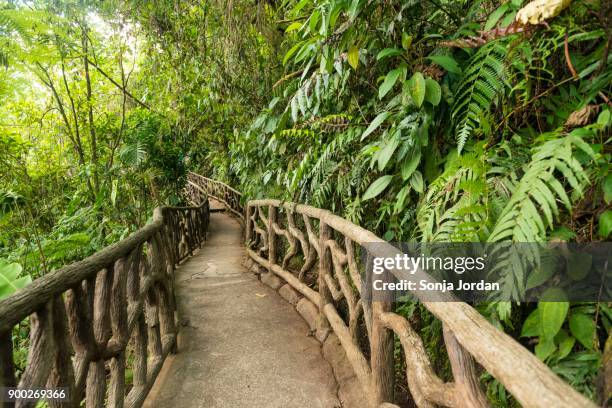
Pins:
<point x="531" y="210"/>
<point x="455" y="206"/>
<point x="133" y="154"/>
<point x="483" y="80"/>
<point x="297" y="133"/>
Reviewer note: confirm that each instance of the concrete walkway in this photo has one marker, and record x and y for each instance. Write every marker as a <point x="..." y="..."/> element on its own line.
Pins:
<point x="240" y="344"/>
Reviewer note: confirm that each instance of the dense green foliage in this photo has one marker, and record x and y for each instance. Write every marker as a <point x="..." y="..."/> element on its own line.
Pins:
<point x="436" y="121"/>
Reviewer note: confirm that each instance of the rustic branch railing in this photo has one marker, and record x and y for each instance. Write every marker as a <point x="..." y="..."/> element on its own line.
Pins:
<point x="111" y="312"/>
<point x="317" y="257"/>
<point x="219" y="191"/>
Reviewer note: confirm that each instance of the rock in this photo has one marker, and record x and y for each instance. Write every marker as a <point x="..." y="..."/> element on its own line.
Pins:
<point x="289" y="294"/>
<point x="271" y="280"/>
<point x="309" y="312"/>
<point x="350" y="391"/>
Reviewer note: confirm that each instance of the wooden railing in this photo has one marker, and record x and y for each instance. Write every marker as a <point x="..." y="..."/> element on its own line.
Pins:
<point x="111" y="313"/>
<point x="315" y="251"/>
<point x="218" y="191"/>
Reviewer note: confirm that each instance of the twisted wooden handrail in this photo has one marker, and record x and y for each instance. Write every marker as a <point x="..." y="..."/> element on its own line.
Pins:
<point x="218" y="191"/>
<point x="314" y="251"/>
<point x="114" y="310"/>
<point x="89" y="316"/>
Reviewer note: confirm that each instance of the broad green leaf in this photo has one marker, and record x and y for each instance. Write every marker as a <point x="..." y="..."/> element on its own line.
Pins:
<point x="417" y="88"/>
<point x="299" y="6"/>
<point x="377" y="187"/>
<point x="388" y="52"/>
<point x="446" y="62"/>
<point x="388" y="83"/>
<point x="603" y="119"/>
<point x="508" y="19"/>
<point x="353" y="57"/>
<point x="292" y="51"/>
<point x="495" y="16"/>
<point x="552" y="316"/>
<point x="387" y="151"/>
<point x="531" y="325"/>
<point x="406" y="41"/>
<point x="605" y="224"/>
<point x="410" y="165"/>
<point x="579" y="265"/>
<point x="416" y="181"/>
<point x="400" y="199"/>
<point x="545" y="348"/>
<point x="389" y="235"/>
<point x="293" y="27"/>
<point x="583" y="329"/>
<point x="565" y="347"/>
<point x="607" y="188"/>
<point x="539" y="276"/>
<point x="378" y="120"/>
<point x="10" y="281"/>
<point x="433" y="92"/>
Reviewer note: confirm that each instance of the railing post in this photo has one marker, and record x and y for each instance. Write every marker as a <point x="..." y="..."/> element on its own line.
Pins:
<point x="7" y="368"/>
<point x="464" y="372"/>
<point x="325" y="265"/>
<point x="272" y="218"/>
<point x="248" y="227"/>
<point x="381" y="347"/>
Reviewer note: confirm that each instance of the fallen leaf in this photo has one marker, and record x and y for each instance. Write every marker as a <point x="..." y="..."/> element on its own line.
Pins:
<point x="582" y="116"/>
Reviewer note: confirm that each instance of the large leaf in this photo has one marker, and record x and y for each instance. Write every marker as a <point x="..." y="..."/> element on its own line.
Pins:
<point x="388" y="83"/>
<point x="293" y="26"/>
<point x="292" y="51"/>
<point x="353" y="57"/>
<point x="416" y="181"/>
<point x="446" y="62"/>
<point x="539" y="276"/>
<point x="410" y="165"/>
<point x="384" y="155"/>
<point x="377" y="187"/>
<point x="545" y="348"/>
<point x="605" y="224"/>
<point x="552" y="316"/>
<point x="607" y="189"/>
<point x="417" y="88"/>
<point x="579" y="265"/>
<point x="388" y="52"/>
<point x="433" y="92"/>
<point x="10" y="281"/>
<point x="378" y="120"/>
<point x="531" y="325"/>
<point x="583" y="329"/>
<point x="495" y="16"/>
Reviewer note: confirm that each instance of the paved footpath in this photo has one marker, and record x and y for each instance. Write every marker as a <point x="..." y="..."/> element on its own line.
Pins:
<point x="240" y="343"/>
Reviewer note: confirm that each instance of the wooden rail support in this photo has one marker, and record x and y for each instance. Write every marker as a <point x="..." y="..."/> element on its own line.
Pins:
<point x="84" y="316"/>
<point x="381" y="349"/>
<point x="344" y="306"/>
<point x="325" y="269"/>
<point x="272" y="254"/>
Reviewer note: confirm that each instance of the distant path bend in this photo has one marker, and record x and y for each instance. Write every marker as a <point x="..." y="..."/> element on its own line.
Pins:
<point x="240" y="343"/>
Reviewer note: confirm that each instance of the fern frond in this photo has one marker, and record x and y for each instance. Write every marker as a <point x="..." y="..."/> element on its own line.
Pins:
<point x="533" y="206"/>
<point x="483" y="80"/>
<point x="454" y="208"/>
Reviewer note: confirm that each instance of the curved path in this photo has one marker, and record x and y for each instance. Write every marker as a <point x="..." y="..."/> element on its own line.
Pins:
<point x="240" y="344"/>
